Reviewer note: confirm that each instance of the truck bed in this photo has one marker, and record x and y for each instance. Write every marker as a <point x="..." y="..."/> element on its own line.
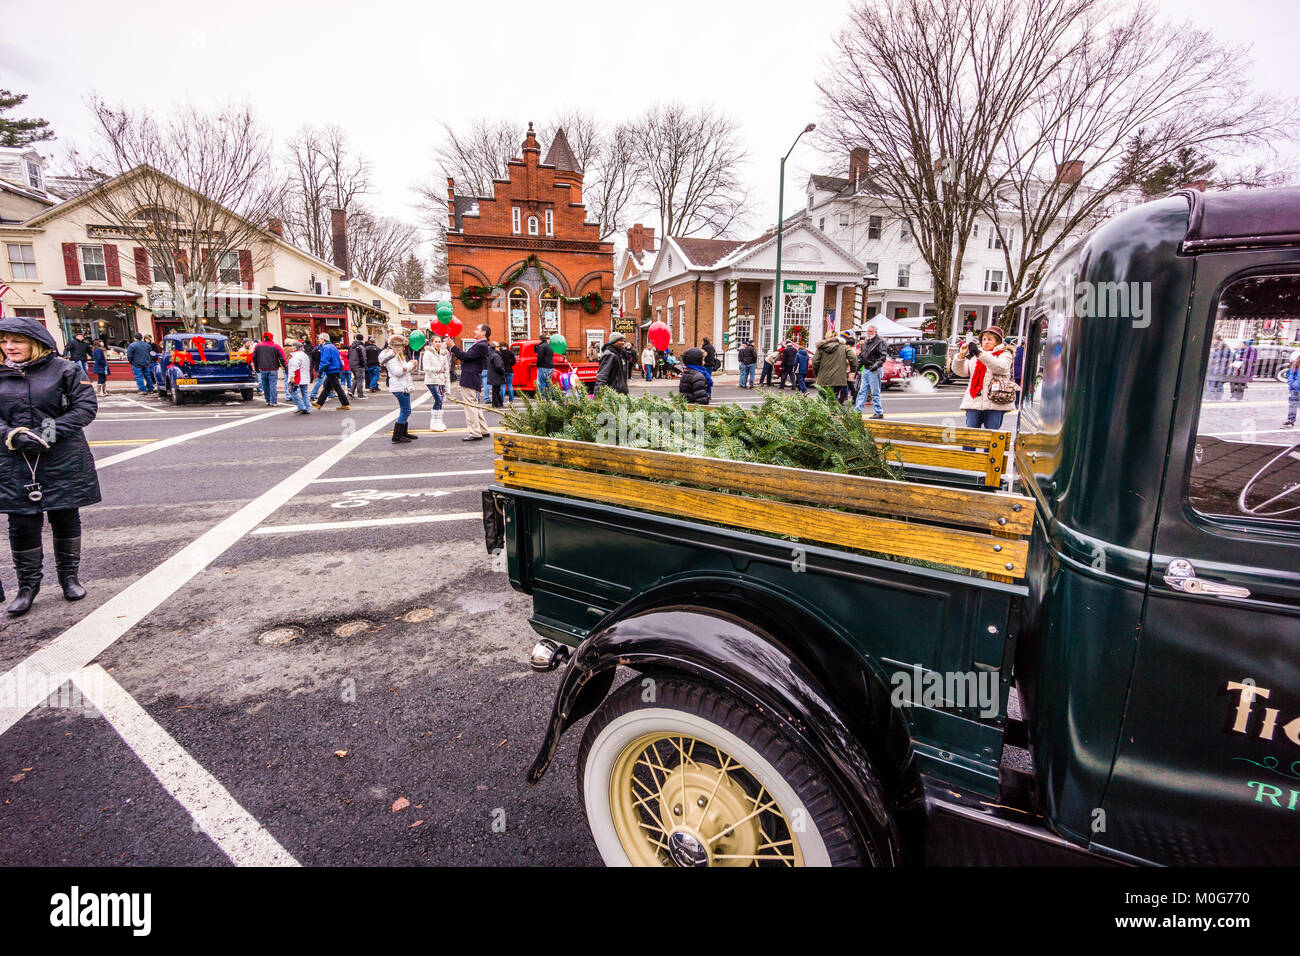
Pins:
<point x="588" y="563"/>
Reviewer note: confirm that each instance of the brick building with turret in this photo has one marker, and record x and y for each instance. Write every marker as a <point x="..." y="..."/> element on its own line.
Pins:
<point x="525" y="260"/>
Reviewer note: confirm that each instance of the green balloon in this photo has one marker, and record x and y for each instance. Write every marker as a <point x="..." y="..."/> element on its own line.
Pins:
<point x="444" y="311"/>
<point x="417" y="340"/>
<point x="558" y="345"/>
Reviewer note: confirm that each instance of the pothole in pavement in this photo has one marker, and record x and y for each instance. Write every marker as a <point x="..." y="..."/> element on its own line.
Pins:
<point x="352" y="628"/>
<point x="279" y="636"/>
<point x="418" y="615"/>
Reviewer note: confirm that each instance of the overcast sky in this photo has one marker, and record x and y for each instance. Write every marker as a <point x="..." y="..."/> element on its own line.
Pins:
<point x="389" y="71"/>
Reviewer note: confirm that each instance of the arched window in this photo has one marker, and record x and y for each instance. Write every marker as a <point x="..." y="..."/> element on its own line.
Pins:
<point x="532" y="225"/>
<point x="550" y="313"/>
<point x="518" y="315"/>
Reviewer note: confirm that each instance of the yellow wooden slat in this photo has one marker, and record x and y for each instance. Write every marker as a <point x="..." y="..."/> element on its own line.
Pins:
<point x="931" y="434"/>
<point x="965" y="549"/>
<point x="942" y="457"/>
<point x="968" y="508"/>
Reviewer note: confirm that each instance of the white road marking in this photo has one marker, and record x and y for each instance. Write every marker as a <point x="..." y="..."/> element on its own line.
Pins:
<point x="367" y="523"/>
<point x="211" y="806"/>
<point x="178" y="439"/>
<point x="420" y="474"/>
<point x="80" y="644"/>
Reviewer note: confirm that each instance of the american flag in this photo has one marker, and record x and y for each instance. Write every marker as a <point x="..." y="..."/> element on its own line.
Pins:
<point x="4" y="289"/>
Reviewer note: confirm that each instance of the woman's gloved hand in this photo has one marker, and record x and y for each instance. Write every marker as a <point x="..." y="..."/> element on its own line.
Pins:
<point x="24" y="439"/>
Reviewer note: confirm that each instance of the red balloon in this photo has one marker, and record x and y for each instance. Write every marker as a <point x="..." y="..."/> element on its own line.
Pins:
<point x="454" y="327"/>
<point x="660" y="335"/>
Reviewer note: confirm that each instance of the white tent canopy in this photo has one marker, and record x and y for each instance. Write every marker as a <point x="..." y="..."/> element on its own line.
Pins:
<point x="887" y="329"/>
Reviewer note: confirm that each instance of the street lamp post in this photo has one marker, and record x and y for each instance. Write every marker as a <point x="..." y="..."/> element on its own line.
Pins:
<point x="780" y="215"/>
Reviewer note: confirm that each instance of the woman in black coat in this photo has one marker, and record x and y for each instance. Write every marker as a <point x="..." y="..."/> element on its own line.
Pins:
<point x="496" y="374"/>
<point x="45" y="462"/>
<point x="696" y="383"/>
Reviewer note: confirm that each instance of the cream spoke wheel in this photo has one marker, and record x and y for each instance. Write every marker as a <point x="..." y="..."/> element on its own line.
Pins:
<point x="691" y="776"/>
<point x="677" y="800"/>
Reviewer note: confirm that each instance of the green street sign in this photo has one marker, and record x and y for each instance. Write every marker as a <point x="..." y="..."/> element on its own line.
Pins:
<point x="799" y="286"/>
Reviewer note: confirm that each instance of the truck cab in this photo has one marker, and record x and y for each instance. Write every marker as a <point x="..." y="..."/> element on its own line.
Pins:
<point x="1161" y="638"/>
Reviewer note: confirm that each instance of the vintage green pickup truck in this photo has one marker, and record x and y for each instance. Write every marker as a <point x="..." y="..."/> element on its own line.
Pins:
<point x="821" y="666"/>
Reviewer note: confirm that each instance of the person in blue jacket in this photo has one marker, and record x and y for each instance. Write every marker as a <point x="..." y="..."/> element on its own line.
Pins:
<point x="331" y="365"/>
<point x="99" y="365"/>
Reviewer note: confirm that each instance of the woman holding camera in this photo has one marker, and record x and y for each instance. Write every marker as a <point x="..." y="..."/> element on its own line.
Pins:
<point x="991" y="393"/>
<point x="45" y="462"/>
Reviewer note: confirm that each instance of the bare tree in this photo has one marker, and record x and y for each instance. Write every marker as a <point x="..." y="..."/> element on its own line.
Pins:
<point x="377" y="245"/>
<point x="607" y="159"/>
<point x="931" y="88"/>
<point x="194" y="191"/>
<point x="431" y="205"/>
<point x="477" y="155"/>
<point x="1137" y="105"/>
<point x="586" y="135"/>
<point x="689" y="163"/>
<point x="323" y="174"/>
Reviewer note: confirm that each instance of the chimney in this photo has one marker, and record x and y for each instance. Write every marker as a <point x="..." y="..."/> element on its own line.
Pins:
<point x="857" y="166"/>
<point x="1198" y="184"/>
<point x="1070" y="172"/>
<point x="636" y="239"/>
<point x="649" y="240"/>
<point x="275" y="226"/>
<point x="339" y="235"/>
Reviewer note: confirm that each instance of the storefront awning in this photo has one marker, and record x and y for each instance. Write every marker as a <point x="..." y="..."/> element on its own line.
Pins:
<point x="79" y="298"/>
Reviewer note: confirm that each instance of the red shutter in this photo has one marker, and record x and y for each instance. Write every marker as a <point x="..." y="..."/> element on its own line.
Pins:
<point x="246" y="268"/>
<point x="112" y="269"/>
<point x="71" y="268"/>
<point x="205" y="266"/>
<point x="183" y="264"/>
<point x="142" y="274"/>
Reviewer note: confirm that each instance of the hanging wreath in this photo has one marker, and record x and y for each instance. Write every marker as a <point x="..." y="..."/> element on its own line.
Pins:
<point x="473" y="295"/>
<point x="592" y="303"/>
<point x="795" y="333"/>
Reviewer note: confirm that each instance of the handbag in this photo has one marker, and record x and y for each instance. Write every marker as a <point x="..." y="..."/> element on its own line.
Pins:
<point x="1002" y="391"/>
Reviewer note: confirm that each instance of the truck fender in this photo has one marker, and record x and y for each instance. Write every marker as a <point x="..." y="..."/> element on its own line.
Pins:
<point x="731" y="655"/>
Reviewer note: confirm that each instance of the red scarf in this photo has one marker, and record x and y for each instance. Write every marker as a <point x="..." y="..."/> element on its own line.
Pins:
<point x="977" y="377"/>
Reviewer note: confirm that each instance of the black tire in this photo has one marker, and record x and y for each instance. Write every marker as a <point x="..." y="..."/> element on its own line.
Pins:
<point x="821" y="833"/>
<point x="246" y="394"/>
<point x="174" y="396"/>
<point x="934" y="373"/>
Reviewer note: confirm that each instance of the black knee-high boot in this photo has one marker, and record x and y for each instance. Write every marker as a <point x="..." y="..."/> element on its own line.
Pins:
<point x="28" y="565"/>
<point x="67" y="562"/>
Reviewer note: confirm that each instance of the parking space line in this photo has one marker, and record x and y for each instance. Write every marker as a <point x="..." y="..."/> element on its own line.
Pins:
<point x="214" y="811"/>
<point x="80" y="644"/>
<point x="122" y="441"/>
<point x="177" y="439"/>
<point x="420" y="474"/>
<point x="366" y="523"/>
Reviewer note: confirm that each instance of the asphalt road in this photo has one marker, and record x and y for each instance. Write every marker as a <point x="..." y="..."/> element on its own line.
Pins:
<point x="404" y="682"/>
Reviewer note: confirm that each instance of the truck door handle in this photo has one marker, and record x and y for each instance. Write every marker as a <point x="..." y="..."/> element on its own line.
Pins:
<point x="1181" y="576"/>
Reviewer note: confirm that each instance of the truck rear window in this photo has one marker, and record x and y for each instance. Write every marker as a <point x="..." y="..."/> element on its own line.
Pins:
<point x="1246" y="456"/>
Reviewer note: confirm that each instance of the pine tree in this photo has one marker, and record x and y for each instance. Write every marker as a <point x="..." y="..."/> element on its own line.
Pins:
<point x="409" y="280"/>
<point x="20" y="132"/>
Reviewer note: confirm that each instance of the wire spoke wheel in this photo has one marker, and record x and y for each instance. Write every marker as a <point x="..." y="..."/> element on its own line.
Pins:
<point x="681" y="801"/>
<point x="677" y="773"/>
